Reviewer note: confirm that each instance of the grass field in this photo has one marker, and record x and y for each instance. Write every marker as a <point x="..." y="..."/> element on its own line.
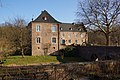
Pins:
<point x="36" y="60"/>
<point x="19" y="60"/>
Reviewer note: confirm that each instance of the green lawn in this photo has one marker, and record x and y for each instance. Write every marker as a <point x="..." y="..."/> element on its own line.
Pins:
<point x="19" y="60"/>
<point x="36" y="60"/>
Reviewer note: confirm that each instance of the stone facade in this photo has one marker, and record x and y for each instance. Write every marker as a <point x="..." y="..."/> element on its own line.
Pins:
<point x="70" y="38"/>
<point x="48" y="35"/>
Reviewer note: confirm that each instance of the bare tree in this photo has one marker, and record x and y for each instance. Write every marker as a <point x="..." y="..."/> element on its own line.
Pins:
<point x="100" y="15"/>
<point x="21" y="24"/>
<point x="16" y="35"/>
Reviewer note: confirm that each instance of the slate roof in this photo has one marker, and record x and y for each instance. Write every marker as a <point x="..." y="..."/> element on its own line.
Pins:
<point x="43" y="15"/>
<point x="69" y="27"/>
<point x="72" y="27"/>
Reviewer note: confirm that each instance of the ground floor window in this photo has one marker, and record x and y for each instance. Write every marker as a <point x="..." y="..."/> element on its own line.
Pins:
<point x="76" y="41"/>
<point x="37" y="40"/>
<point x="63" y="41"/>
<point x="70" y="41"/>
<point x="53" y="40"/>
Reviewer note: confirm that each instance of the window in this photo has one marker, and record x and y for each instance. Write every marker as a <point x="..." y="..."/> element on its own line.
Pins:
<point x="63" y="41"/>
<point x="70" y="28"/>
<point x="53" y="40"/>
<point x="37" y="28"/>
<point x="63" y="34"/>
<point x="76" y="41"/>
<point x="54" y="29"/>
<point x="79" y="29"/>
<point x="76" y="35"/>
<point x="82" y="35"/>
<point x="44" y="18"/>
<point x="61" y="28"/>
<point x="70" y="41"/>
<point x="69" y="35"/>
<point x="38" y="40"/>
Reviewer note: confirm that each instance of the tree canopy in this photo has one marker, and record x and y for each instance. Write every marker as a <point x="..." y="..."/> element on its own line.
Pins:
<point x="100" y="15"/>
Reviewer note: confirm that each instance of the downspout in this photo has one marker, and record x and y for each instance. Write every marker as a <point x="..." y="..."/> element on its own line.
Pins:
<point x="58" y="39"/>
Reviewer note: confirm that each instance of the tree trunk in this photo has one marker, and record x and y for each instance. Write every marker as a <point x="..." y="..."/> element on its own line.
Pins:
<point x="107" y="39"/>
<point x="22" y="52"/>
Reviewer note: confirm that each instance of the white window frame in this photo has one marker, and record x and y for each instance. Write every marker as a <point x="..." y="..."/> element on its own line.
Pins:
<point x="82" y="35"/>
<point x="37" y="40"/>
<point x="38" y="28"/>
<point x="69" y="35"/>
<point x="54" y="27"/>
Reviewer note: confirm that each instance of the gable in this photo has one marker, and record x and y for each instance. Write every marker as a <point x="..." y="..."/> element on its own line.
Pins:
<point x="45" y="17"/>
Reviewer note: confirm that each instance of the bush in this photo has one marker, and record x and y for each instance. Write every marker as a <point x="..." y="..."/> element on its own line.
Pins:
<point x="69" y="51"/>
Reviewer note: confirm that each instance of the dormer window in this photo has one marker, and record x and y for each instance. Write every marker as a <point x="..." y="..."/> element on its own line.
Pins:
<point x="70" y="28"/>
<point x="44" y="18"/>
<point x="79" y="29"/>
<point x="61" y="28"/>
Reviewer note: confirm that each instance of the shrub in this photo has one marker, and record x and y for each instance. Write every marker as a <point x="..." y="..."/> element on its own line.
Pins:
<point x="69" y="51"/>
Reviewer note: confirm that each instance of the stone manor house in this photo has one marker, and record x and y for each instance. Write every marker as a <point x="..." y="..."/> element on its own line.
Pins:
<point x="49" y="35"/>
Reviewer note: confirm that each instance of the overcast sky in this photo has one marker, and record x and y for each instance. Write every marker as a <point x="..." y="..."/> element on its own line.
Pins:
<point x="61" y="10"/>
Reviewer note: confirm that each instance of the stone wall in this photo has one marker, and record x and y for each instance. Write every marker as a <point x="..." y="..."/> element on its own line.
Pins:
<point x="46" y="46"/>
<point x="73" y="36"/>
<point x="45" y="35"/>
<point x="100" y="52"/>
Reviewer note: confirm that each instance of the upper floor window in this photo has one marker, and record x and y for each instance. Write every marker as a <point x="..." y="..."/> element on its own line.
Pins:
<point x="37" y="40"/>
<point x="82" y="35"/>
<point x="54" y="29"/>
<point x="38" y="28"/>
<point x="53" y="40"/>
<point x="76" y="35"/>
<point x="63" y="34"/>
<point x="69" y="35"/>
